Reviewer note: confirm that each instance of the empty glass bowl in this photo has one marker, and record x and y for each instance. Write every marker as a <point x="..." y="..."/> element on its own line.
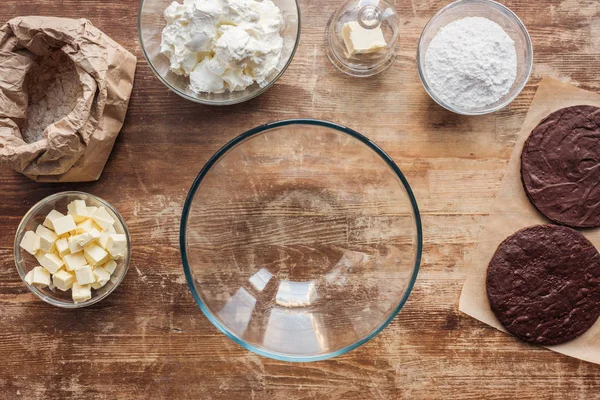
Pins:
<point x="493" y="11"/>
<point x="301" y="240"/>
<point x="25" y="262"/>
<point x="151" y="23"/>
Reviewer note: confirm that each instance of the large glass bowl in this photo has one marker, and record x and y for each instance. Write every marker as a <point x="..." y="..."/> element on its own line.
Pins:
<point x="301" y="240"/>
<point x="501" y="15"/>
<point x="151" y="22"/>
<point x="25" y="262"/>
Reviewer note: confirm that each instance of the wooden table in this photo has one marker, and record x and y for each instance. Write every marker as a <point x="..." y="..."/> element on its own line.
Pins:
<point x="150" y="340"/>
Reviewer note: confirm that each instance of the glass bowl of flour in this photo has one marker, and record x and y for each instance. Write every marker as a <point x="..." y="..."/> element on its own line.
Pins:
<point x="474" y="57"/>
<point x="219" y="52"/>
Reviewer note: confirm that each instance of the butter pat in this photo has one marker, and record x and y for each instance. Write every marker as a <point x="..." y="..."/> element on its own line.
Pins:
<point x="359" y="40"/>
<point x="40" y="277"/>
<point x="78" y="242"/>
<point x="110" y="266"/>
<point x="85" y="275"/>
<point x="95" y="254"/>
<point x="102" y="277"/>
<point x="74" y="261"/>
<point x="81" y="293"/>
<point x="52" y="215"/>
<point x="30" y="242"/>
<point x="78" y="210"/>
<point x="62" y="247"/>
<point x="47" y="238"/>
<point x="63" y="280"/>
<point x="29" y="278"/>
<point x="52" y="262"/>
<point x="103" y="218"/>
<point x="87" y="226"/>
<point x="64" y="225"/>
<point x="116" y="244"/>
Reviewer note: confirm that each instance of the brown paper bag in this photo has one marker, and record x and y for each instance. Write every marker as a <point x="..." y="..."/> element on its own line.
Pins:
<point x="512" y="211"/>
<point x="97" y="78"/>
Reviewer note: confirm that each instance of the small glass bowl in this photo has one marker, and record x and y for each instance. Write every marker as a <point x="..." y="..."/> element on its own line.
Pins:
<point x="493" y="11"/>
<point x="25" y="262"/>
<point x="151" y="22"/>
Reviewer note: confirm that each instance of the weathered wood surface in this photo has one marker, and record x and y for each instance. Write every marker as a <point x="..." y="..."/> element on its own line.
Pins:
<point x="150" y="340"/>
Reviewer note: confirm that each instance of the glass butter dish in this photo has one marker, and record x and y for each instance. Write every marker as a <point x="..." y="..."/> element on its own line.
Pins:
<point x="362" y="37"/>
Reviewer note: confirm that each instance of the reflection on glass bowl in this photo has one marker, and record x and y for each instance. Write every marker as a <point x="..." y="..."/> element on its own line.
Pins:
<point x="301" y="240"/>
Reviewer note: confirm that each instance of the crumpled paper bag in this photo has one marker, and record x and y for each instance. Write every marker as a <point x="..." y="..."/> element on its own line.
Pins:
<point x="76" y="147"/>
<point x="512" y="211"/>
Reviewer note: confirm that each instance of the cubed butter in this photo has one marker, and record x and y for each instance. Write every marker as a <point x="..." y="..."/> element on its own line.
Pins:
<point x="74" y="261"/>
<point x="78" y="242"/>
<point x="62" y="247"/>
<point x="40" y="277"/>
<point x="81" y="293"/>
<point x="30" y="242"/>
<point x="52" y="262"/>
<point x="116" y="244"/>
<point x="91" y="210"/>
<point x="85" y="275"/>
<point x="110" y="266"/>
<point x="64" y="225"/>
<point x="95" y="254"/>
<point x="29" y="277"/>
<point x="102" y="277"/>
<point x="63" y="280"/>
<point x="47" y="238"/>
<point x="78" y="210"/>
<point x="52" y="215"/>
<point x="359" y="40"/>
<point x="103" y="218"/>
<point x="87" y="226"/>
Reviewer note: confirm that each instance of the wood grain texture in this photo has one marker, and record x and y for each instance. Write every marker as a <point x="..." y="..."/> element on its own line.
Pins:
<point x="150" y="340"/>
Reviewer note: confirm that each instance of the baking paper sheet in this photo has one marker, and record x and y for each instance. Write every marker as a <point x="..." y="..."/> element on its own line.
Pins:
<point x="512" y="211"/>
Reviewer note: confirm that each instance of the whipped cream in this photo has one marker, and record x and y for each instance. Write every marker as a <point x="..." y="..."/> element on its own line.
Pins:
<point x="223" y="45"/>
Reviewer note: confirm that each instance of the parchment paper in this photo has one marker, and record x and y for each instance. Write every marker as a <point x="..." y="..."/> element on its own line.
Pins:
<point x="512" y="211"/>
<point x="75" y="148"/>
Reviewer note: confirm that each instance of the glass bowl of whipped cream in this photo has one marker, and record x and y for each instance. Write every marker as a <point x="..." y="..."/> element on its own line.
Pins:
<point x="219" y="52"/>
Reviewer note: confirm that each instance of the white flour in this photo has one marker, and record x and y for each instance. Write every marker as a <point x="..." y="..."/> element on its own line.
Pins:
<point x="471" y="63"/>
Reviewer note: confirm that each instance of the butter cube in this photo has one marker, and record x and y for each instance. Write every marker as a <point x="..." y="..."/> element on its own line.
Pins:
<point x="85" y="275"/>
<point x="30" y="242"/>
<point x="103" y="240"/>
<point x="78" y="209"/>
<point x="95" y="254"/>
<point x="78" y="242"/>
<point x="87" y="226"/>
<point x="81" y="293"/>
<point x="91" y="210"/>
<point x="95" y="233"/>
<point x="359" y="40"/>
<point x="103" y="218"/>
<point x="74" y="261"/>
<point x="40" y="256"/>
<point x="47" y="238"/>
<point x="116" y="244"/>
<point x="62" y="246"/>
<point x="64" y="225"/>
<point x="63" y="280"/>
<point x="52" y="215"/>
<point x="111" y="229"/>
<point x="40" y="277"/>
<point x="110" y="266"/>
<point x="29" y="277"/>
<point x="102" y="277"/>
<point x="52" y="262"/>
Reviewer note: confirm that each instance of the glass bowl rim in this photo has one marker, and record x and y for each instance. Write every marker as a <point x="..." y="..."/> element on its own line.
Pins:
<point x="30" y="213"/>
<point x="228" y="102"/>
<point x="223" y="151"/>
<point x="529" y="67"/>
